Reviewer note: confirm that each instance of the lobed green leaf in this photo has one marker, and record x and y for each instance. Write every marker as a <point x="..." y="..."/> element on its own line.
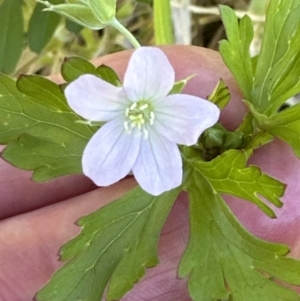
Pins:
<point x="272" y="77"/>
<point x="228" y="174"/>
<point x="40" y="112"/>
<point x="235" y="51"/>
<point x="286" y="126"/>
<point x="116" y="244"/>
<point x="277" y="76"/>
<point x="226" y="262"/>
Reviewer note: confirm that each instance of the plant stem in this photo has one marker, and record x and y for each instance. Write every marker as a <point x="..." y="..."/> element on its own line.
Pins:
<point x="163" y="25"/>
<point x="116" y="24"/>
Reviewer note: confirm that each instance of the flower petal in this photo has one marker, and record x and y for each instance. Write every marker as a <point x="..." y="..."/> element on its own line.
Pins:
<point x="95" y="99"/>
<point x="183" y="118"/>
<point x="110" y="154"/>
<point x="149" y="75"/>
<point x="158" y="167"/>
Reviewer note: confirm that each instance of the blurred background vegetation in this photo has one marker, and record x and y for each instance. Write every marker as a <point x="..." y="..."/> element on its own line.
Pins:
<point x="37" y="42"/>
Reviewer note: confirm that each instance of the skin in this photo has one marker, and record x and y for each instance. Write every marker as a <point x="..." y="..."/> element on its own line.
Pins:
<point x="38" y="218"/>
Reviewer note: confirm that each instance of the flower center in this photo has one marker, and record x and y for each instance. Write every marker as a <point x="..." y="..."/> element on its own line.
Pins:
<point x="138" y="114"/>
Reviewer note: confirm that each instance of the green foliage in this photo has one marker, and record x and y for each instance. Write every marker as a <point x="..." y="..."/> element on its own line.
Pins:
<point x="179" y="86"/>
<point x="76" y="66"/>
<point x="278" y="66"/>
<point x="52" y="140"/>
<point x="235" y="51"/>
<point x="73" y="27"/>
<point x="73" y="67"/>
<point x="273" y="77"/>
<point x="42" y="132"/>
<point x="42" y="26"/>
<point x="11" y="35"/>
<point x="220" y="95"/>
<point x="116" y="244"/>
<point x="286" y="126"/>
<point x="228" y="174"/>
<point x="223" y="259"/>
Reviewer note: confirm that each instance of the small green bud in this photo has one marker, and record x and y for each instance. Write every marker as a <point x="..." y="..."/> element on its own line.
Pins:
<point x="104" y="10"/>
<point x="85" y="14"/>
<point x="214" y="137"/>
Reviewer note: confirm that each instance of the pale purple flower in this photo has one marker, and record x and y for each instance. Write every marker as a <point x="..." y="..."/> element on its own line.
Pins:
<point x="143" y="123"/>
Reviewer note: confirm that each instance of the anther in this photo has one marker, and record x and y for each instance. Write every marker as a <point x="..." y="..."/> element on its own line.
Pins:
<point x="126" y="126"/>
<point x="133" y="106"/>
<point x="127" y="112"/>
<point x="146" y="134"/>
<point x="144" y="106"/>
<point x="133" y="117"/>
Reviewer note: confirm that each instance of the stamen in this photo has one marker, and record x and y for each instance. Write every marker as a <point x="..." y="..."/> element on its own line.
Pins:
<point x="146" y="133"/>
<point x="144" y="106"/>
<point x="137" y="115"/>
<point x="133" y="106"/>
<point x="126" y="126"/>
<point x="133" y="117"/>
<point x="152" y="117"/>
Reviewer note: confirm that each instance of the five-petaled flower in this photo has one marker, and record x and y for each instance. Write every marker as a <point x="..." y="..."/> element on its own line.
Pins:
<point x="143" y="123"/>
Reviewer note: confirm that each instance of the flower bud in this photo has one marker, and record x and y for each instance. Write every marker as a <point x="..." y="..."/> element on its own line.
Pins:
<point x="104" y="10"/>
<point x="95" y="14"/>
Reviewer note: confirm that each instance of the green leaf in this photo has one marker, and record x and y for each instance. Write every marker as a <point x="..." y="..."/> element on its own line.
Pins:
<point x="223" y="259"/>
<point x="220" y="95"/>
<point x="73" y="27"/>
<point x="268" y="80"/>
<point x="74" y="67"/>
<point x="11" y="35"/>
<point x="42" y="26"/>
<point x="289" y="133"/>
<point x="235" y="51"/>
<point x="48" y="158"/>
<point x="277" y="76"/>
<point x="228" y="174"/>
<point x="116" y="244"/>
<point x="163" y="26"/>
<point x="108" y="74"/>
<point x="41" y="112"/>
<point x="285" y="125"/>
